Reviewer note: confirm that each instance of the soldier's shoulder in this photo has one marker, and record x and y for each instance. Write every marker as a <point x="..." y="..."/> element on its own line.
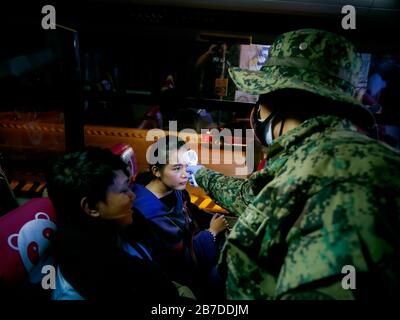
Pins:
<point x="341" y="154"/>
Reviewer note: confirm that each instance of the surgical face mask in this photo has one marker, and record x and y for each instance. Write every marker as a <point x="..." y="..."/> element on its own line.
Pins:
<point x="262" y="128"/>
<point x="268" y="135"/>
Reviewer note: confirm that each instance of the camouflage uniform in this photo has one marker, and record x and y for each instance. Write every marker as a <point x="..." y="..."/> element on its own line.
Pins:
<point x="328" y="197"/>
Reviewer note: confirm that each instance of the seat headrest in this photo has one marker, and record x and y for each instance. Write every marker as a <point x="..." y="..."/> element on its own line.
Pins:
<point x="24" y="241"/>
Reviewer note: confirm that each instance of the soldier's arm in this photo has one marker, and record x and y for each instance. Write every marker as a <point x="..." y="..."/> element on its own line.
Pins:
<point x="233" y="194"/>
<point x="205" y="56"/>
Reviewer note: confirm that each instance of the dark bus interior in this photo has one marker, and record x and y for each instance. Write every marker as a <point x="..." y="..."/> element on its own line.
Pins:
<point x="112" y="70"/>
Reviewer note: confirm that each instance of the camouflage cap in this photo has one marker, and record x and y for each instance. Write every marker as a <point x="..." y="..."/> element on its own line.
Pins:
<point x="313" y="60"/>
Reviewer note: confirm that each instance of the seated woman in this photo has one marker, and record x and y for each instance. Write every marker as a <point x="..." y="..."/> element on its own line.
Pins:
<point x="183" y="237"/>
<point x="93" y="200"/>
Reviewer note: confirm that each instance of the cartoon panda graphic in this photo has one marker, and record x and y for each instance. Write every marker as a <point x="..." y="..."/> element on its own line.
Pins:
<point x="32" y="242"/>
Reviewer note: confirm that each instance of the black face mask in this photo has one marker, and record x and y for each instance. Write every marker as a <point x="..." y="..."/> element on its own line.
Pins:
<point x="261" y="128"/>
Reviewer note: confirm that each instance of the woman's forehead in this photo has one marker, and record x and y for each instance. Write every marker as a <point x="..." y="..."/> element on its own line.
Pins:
<point x="177" y="156"/>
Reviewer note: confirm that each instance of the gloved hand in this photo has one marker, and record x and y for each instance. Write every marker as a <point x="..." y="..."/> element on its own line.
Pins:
<point x="191" y="170"/>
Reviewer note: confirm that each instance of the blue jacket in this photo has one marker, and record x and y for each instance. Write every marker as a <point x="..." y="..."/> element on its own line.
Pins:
<point x="175" y="242"/>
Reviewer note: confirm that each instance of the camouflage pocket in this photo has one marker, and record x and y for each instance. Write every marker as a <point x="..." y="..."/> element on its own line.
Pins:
<point x="250" y="227"/>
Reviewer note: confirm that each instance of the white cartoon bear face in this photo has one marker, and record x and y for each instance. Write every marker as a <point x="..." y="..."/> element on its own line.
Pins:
<point x="32" y="241"/>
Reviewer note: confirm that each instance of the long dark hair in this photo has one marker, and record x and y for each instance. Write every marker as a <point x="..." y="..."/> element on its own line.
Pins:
<point x="305" y="105"/>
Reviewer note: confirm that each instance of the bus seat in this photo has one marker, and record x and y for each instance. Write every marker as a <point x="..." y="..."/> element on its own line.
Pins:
<point x="24" y="241"/>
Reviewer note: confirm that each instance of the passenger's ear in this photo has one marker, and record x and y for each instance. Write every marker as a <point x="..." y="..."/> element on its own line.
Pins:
<point x="156" y="171"/>
<point x="86" y="207"/>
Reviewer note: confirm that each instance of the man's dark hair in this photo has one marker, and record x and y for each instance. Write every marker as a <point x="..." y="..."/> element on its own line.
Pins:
<point x="81" y="174"/>
<point x="304" y="105"/>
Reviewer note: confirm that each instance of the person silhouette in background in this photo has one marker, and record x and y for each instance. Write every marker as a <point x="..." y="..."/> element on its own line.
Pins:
<point x="211" y="71"/>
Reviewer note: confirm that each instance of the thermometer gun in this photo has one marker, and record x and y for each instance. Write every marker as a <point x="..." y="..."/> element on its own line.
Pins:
<point x="191" y="159"/>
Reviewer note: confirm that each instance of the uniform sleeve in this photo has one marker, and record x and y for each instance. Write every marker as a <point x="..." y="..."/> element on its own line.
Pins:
<point x="233" y="194"/>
